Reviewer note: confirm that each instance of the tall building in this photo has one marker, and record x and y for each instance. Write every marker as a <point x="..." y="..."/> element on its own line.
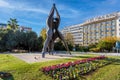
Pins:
<point x="96" y="28"/>
<point x="23" y="28"/>
<point x="3" y="26"/>
<point x="99" y="27"/>
<point x="77" y="33"/>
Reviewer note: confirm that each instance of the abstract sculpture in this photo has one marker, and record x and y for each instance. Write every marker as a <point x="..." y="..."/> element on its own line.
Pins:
<point x="53" y="32"/>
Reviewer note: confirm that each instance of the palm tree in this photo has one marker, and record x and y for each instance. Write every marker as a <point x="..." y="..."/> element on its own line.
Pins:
<point x="12" y="24"/>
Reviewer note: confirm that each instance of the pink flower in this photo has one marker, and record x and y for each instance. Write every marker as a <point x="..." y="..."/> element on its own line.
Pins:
<point x="68" y="64"/>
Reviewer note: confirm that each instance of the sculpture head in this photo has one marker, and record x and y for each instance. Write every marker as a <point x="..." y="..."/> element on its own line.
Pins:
<point x="56" y="19"/>
<point x="56" y="23"/>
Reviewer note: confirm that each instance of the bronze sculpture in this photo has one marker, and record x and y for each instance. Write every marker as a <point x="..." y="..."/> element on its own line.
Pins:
<point x="53" y="32"/>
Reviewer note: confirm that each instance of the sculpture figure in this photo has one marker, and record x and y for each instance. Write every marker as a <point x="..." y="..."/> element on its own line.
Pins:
<point x="53" y="32"/>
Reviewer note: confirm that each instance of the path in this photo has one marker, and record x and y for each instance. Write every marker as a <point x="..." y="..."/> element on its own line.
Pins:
<point x="106" y="54"/>
<point x="35" y="57"/>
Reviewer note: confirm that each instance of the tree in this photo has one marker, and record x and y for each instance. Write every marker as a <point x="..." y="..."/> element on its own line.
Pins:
<point x="31" y="38"/>
<point x="59" y="45"/>
<point x="20" y="39"/>
<point x="107" y="43"/>
<point x="69" y="38"/>
<point x="39" y="43"/>
<point x="9" y="40"/>
<point x="2" y="42"/>
<point x="43" y="34"/>
<point x="12" y="24"/>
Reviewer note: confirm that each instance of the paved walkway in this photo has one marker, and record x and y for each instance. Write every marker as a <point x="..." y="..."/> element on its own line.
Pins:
<point x="34" y="57"/>
<point x="107" y="54"/>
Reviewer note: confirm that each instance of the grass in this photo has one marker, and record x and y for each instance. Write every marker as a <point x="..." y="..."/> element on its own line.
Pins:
<point x="109" y="72"/>
<point x="24" y="71"/>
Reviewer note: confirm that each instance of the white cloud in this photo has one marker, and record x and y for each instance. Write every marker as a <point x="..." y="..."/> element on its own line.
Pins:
<point x="5" y="4"/>
<point x="21" y="7"/>
<point x="65" y="11"/>
<point x="68" y="12"/>
<point x="29" y="22"/>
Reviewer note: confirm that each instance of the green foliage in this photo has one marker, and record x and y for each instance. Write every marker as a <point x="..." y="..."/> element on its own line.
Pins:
<point x="95" y="49"/>
<point x="39" y="43"/>
<point x="43" y="34"/>
<point x="24" y="71"/>
<point x="59" y="46"/>
<point x="69" y="38"/>
<point x="30" y="40"/>
<point x="93" y="45"/>
<point x="11" y="39"/>
<point x="12" y="24"/>
<point x="74" y="71"/>
<point x="70" y="46"/>
<point x="81" y="48"/>
<point x="2" y="42"/>
<point x="106" y="43"/>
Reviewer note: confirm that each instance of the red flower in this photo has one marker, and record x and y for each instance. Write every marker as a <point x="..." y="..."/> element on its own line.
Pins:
<point x="68" y="64"/>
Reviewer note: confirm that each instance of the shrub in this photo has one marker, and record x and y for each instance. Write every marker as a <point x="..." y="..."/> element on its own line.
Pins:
<point x="95" y="49"/>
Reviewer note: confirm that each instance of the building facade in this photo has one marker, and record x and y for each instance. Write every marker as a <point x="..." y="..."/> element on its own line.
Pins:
<point x="99" y="27"/>
<point x="23" y="28"/>
<point x="96" y="28"/>
<point x="3" y="26"/>
<point x="77" y="33"/>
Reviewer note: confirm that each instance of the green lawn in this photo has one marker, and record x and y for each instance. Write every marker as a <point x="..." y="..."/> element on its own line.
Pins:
<point x="24" y="71"/>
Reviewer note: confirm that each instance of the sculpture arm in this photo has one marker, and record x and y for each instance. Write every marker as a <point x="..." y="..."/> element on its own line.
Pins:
<point x="57" y="18"/>
<point x="50" y="17"/>
<point x="57" y="14"/>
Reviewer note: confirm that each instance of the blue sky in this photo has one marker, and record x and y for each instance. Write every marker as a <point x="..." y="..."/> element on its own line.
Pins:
<point x="33" y="13"/>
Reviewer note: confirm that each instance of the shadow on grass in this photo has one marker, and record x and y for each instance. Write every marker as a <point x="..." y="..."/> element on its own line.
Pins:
<point x="82" y="78"/>
<point x="115" y="61"/>
<point x="6" y="76"/>
<point x="109" y="61"/>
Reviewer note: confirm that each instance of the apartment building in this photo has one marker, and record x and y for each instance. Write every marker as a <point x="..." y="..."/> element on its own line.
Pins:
<point x="92" y="30"/>
<point x="99" y="27"/>
<point x="77" y="33"/>
<point x="3" y="26"/>
<point x="21" y="28"/>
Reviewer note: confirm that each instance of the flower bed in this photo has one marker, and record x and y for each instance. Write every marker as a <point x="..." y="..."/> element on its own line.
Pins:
<point x="72" y="70"/>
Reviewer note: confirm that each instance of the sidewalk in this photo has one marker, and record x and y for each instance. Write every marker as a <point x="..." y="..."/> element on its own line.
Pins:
<point x="107" y="54"/>
<point x="36" y="57"/>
